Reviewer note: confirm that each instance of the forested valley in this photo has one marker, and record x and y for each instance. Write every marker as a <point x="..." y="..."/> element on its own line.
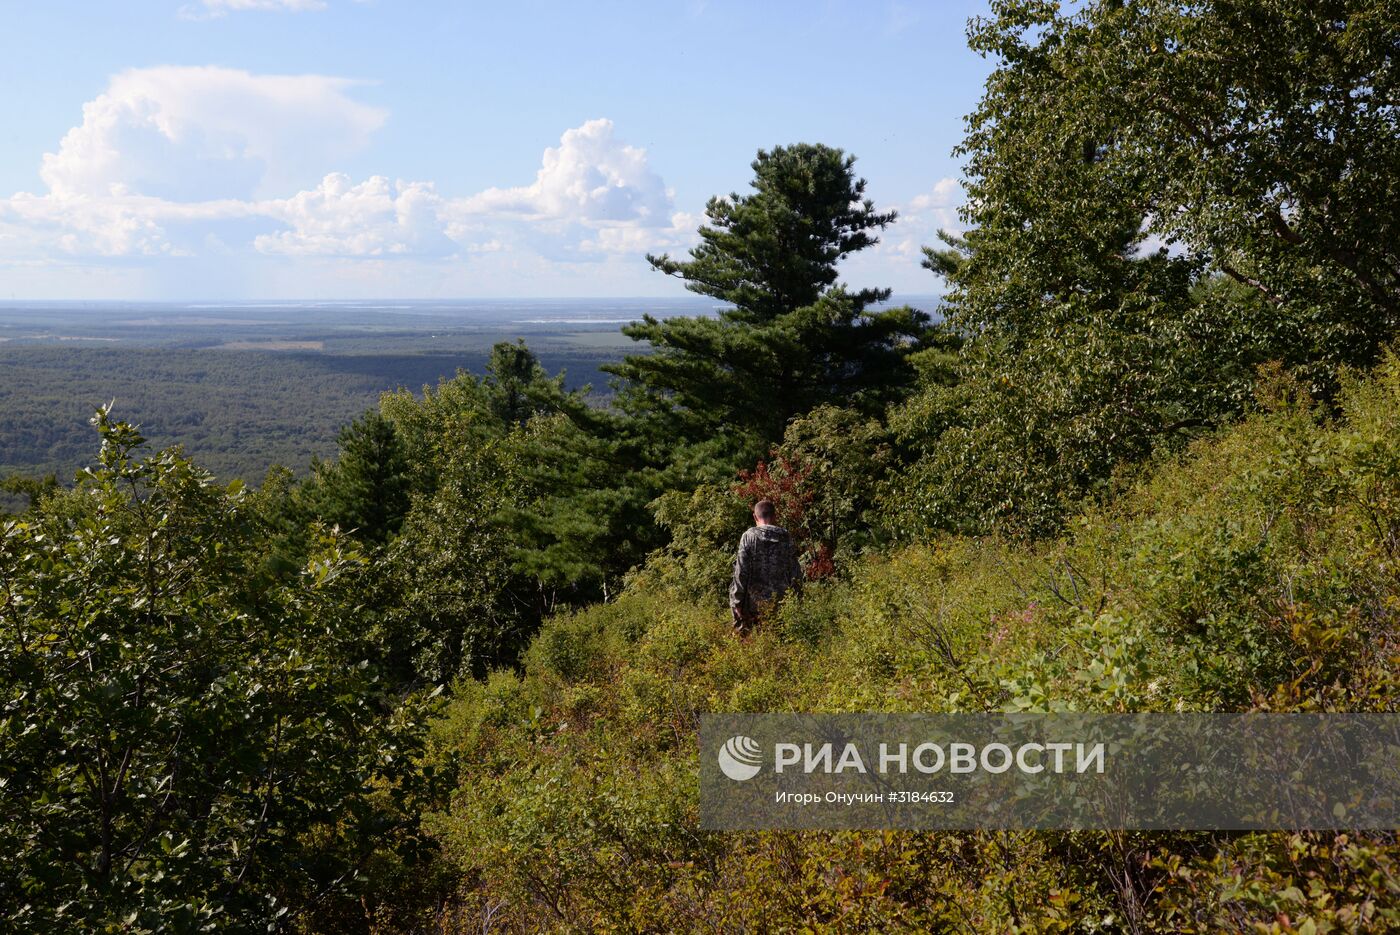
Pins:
<point x="243" y="395"/>
<point x="448" y="680"/>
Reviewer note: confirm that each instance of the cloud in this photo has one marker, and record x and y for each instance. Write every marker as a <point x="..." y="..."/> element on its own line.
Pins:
<point x="113" y="226"/>
<point x="942" y="203"/>
<point x="593" y="197"/>
<point x="37" y="225"/>
<point x="162" y="153"/>
<point x="211" y="9"/>
<point x="677" y="234"/>
<point x="194" y="161"/>
<point x="921" y="219"/>
<point x="374" y="218"/>
<point x="588" y="177"/>
<point x="182" y="133"/>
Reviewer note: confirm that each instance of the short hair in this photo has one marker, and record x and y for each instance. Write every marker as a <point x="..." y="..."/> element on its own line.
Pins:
<point x="765" y="510"/>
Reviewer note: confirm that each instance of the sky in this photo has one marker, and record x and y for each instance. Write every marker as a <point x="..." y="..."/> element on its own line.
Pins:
<point x="321" y="149"/>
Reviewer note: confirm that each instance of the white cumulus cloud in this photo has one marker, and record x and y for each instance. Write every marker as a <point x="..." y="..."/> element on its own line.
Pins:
<point x="115" y="226"/>
<point x="590" y="177"/>
<point x="110" y="226"/>
<point x="200" y="132"/>
<point x="373" y="218"/>
<point x="897" y="260"/>
<point x="922" y="218"/>
<point x="184" y="161"/>
<point x="679" y="233"/>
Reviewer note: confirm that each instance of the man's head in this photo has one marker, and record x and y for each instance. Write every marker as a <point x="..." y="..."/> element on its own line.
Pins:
<point x="764" y="513"/>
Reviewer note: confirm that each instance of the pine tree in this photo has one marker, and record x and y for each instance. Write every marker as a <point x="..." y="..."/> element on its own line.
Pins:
<point x="366" y="488"/>
<point x="791" y="337"/>
<point x="518" y="386"/>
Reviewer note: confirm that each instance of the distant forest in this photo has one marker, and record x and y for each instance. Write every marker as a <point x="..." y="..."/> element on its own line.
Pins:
<point x="236" y="412"/>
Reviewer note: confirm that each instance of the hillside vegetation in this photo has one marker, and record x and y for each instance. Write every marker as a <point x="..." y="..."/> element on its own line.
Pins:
<point x="1258" y="571"/>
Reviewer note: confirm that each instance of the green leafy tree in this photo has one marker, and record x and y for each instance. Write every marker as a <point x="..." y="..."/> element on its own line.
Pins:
<point x="844" y="458"/>
<point x="577" y="520"/>
<point x="791" y="337"/>
<point x="470" y="410"/>
<point x="1259" y="136"/>
<point x="575" y="515"/>
<point x="777" y="249"/>
<point x="184" y="745"/>
<point x="585" y="522"/>
<point x="449" y="599"/>
<point x="1050" y="395"/>
<point x="1254" y="142"/>
<point x="506" y="520"/>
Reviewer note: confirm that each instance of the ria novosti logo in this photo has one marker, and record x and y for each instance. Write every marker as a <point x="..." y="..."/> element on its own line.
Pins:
<point x="740" y="758"/>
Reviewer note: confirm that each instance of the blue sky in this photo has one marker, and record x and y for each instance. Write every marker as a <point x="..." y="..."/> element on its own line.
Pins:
<point x="253" y="149"/>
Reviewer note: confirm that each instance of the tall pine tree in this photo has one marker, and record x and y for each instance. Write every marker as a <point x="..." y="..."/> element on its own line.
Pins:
<point x="367" y="487"/>
<point x="790" y="337"/>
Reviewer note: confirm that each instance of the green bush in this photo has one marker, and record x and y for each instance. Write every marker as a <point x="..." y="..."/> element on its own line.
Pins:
<point x="186" y="745"/>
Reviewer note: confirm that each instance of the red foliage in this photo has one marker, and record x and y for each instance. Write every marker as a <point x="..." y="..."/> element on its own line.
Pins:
<point x="820" y="564"/>
<point x="784" y="482"/>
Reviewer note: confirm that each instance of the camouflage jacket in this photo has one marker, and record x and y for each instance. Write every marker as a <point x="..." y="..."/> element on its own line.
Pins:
<point x="765" y="568"/>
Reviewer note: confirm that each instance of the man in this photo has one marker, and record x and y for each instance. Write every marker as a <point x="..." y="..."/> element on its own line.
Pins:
<point x="765" y="569"/>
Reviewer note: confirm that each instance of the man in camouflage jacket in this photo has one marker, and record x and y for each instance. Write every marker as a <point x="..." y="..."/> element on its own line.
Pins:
<point x="765" y="568"/>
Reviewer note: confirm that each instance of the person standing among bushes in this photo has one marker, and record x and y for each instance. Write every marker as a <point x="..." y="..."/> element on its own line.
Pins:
<point x="765" y="568"/>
